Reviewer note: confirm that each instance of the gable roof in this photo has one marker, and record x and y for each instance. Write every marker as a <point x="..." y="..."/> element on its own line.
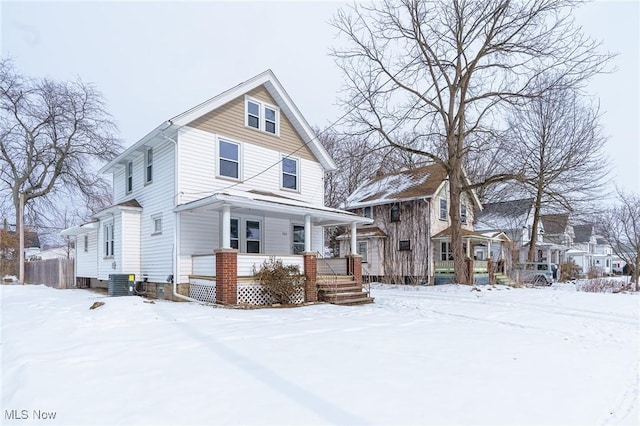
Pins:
<point x="267" y="78"/>
<point x="554" y="224"/>
<point x="582" y="233"/>
<point x="505" y="215"/>
<point x="418" y="183"/>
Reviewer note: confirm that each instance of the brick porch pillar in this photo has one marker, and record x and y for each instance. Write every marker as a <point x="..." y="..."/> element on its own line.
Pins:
<point x="310" y="276"/>
<point x="356" y="263"/>
<point x="227" y="276"/>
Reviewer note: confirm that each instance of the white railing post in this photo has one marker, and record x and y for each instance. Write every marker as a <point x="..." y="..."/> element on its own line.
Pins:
<point x="354" y="240"/>
<point x="307" y="233"/>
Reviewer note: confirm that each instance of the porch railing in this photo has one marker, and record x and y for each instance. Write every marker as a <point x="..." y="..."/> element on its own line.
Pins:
<point x="446" y="266"/>
<point x="326" y="274"/>
<point x="247" y="262"/>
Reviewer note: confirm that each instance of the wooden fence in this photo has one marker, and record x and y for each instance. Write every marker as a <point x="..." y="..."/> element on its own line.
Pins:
<point x="57" y="273"/>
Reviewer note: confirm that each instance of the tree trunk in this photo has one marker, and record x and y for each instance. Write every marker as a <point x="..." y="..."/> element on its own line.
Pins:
<point x="459" y="256"/>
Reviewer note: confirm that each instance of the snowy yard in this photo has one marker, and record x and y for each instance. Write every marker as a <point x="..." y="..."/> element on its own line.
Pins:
<point x="427" y="355"/>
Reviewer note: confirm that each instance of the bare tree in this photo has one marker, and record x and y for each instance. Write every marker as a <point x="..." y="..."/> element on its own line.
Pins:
<point x="51" y="135"/>
<point x="557" y="137"/>
<point x="444" y="70"/>
<point x="620" y="226"/>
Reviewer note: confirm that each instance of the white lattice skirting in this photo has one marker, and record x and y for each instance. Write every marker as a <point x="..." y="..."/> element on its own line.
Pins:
<point x="202" y="290"/>
<point x="253" y="294"/>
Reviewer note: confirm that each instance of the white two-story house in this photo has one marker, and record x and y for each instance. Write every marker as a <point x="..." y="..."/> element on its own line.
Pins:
<point x="225" y="184"/>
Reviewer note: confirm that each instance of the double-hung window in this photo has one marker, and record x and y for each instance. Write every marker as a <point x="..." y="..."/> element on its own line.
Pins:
<point x="156" y="224"/>
<point x="290" y="173"/>
<point x="262" y="116"/>
<point x="148" y="161"/>
<point x="443" y="209"/>
<point x="129" y="177"/>
<point x="229" y="159"/>
<point x="253" y="236"/>
<point x="235" y="233"/>
<point x="108" y="239"/>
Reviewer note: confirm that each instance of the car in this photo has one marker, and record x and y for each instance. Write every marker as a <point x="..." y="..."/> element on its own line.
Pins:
<point x="537" y="273"/>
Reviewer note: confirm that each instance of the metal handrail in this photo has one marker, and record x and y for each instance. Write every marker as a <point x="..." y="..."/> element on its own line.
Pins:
<point x="322" y="277"/>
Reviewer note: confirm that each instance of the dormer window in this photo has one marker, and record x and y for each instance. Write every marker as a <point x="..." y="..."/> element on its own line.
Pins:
<point x="262" y="116"/>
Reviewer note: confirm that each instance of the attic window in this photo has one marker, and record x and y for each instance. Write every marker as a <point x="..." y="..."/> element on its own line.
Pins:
<point x="395" y="213"/>
<point x="262" y="116"/>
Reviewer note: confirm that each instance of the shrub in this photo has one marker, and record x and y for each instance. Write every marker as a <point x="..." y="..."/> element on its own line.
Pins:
<point x="569" y="271"/>
<point x="279" y="281"/>
<point x="603" y="285"/>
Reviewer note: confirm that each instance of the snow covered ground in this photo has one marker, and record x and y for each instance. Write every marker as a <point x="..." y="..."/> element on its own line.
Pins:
<point x="419" y="355"/>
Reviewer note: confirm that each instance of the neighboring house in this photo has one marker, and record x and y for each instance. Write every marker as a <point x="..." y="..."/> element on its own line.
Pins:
<point x="590" y="251"/>
<point x="63" y="252"/>
<point x="210" y="194"/>
<point x="410" y="233"/>
<point x="514" y="218"/>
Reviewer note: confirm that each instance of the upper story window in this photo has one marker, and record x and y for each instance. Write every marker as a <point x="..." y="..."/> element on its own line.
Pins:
<point x="129" y="178"/>
<point x="443" y="209"/>
<point x="395" y="213"/>
<point x="108" y="239"/>
<point x="229" y="159"/>
<point x="368" y="212"/>
<point x="463" y="213"/>
<point x="148" y="162"/>
<point x="262" y="116"/>
<point x="86" y="243"/>
<point x="290" y="173"/>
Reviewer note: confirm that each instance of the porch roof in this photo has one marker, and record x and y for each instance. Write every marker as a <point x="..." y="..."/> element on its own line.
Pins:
<point x="80" y="229"/>
<point x="472" y="235"/>
<point x="252" y="202"/>
<point x="365" y="232"/>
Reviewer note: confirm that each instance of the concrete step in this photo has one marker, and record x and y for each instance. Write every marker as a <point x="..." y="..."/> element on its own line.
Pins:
<point x="351" y="302"/>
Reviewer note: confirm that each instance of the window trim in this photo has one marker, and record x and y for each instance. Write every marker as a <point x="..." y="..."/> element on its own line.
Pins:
<point x="284" y="157"/>
<point x="440" y="210"/>
<point x="262" y="118"/>
<point x="148" y="165"/>
<point x="445" y="251"/>
<point x="247" y="239"/>
<point x="219" y="140"/>
<point x="237" y="238"/>
<point x="394" y="213"/>
<point x="364" y="212"/>
<point x="128" y="177"/>
<point x="365" y="255"/>
<point x="108" y="239"/>
<point x="293" y="238"/>
<point x="155" y="219"/>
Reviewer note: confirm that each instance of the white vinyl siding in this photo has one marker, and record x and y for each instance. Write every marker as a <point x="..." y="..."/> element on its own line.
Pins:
<point x="199" y="147"/>
<point x="86" y="262"/>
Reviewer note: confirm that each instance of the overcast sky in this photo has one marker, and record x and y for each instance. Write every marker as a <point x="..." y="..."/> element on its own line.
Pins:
<point x="154" y="60"/>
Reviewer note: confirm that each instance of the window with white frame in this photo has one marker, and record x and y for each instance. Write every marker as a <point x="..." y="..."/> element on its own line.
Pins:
<point x="368" y="212"/>
<point x="229" y="159"/>
<point x="156" y="224"/>
<point x="108" y="239"/>
<point x="298" y="239"/>
<point x="253" y="236"/>
<point x="463" y="213"/>
<point x="363" y="248"/>
<point x="129" y="178"/>
<point x="235" y="233"/>
<point x="443" y="209"/>
<point x="262" y="116"/>
<point x="445" y="251"/>
<point x="148" y="169"/>
<point x="290" y="173"/>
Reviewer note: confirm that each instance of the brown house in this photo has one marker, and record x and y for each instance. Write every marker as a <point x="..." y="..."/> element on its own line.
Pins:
<point x="408" y="209"/>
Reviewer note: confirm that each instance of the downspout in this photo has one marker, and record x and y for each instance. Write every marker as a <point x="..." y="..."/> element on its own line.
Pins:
<point x="176" y="222"/>
<point x="429" y="245"/>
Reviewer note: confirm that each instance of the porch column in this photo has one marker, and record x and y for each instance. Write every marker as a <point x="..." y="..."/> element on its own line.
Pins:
<point x="227" y="276"/>
<point x="307" y="233"/>
<point x="356" y="262"/>
<point x="226" y="227"/>
<point x="354" y="240"/>
<point x="310" y="276"/>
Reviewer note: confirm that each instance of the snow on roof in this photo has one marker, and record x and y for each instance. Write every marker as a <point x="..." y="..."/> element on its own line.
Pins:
<point x="582" y="233"/>
<point x="504" y="215"/>
<point x="421" y="182"/>
<point x="554" y="223"/>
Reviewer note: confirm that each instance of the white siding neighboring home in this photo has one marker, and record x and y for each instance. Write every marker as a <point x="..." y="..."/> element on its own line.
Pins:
<point x="241" y="171"/>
